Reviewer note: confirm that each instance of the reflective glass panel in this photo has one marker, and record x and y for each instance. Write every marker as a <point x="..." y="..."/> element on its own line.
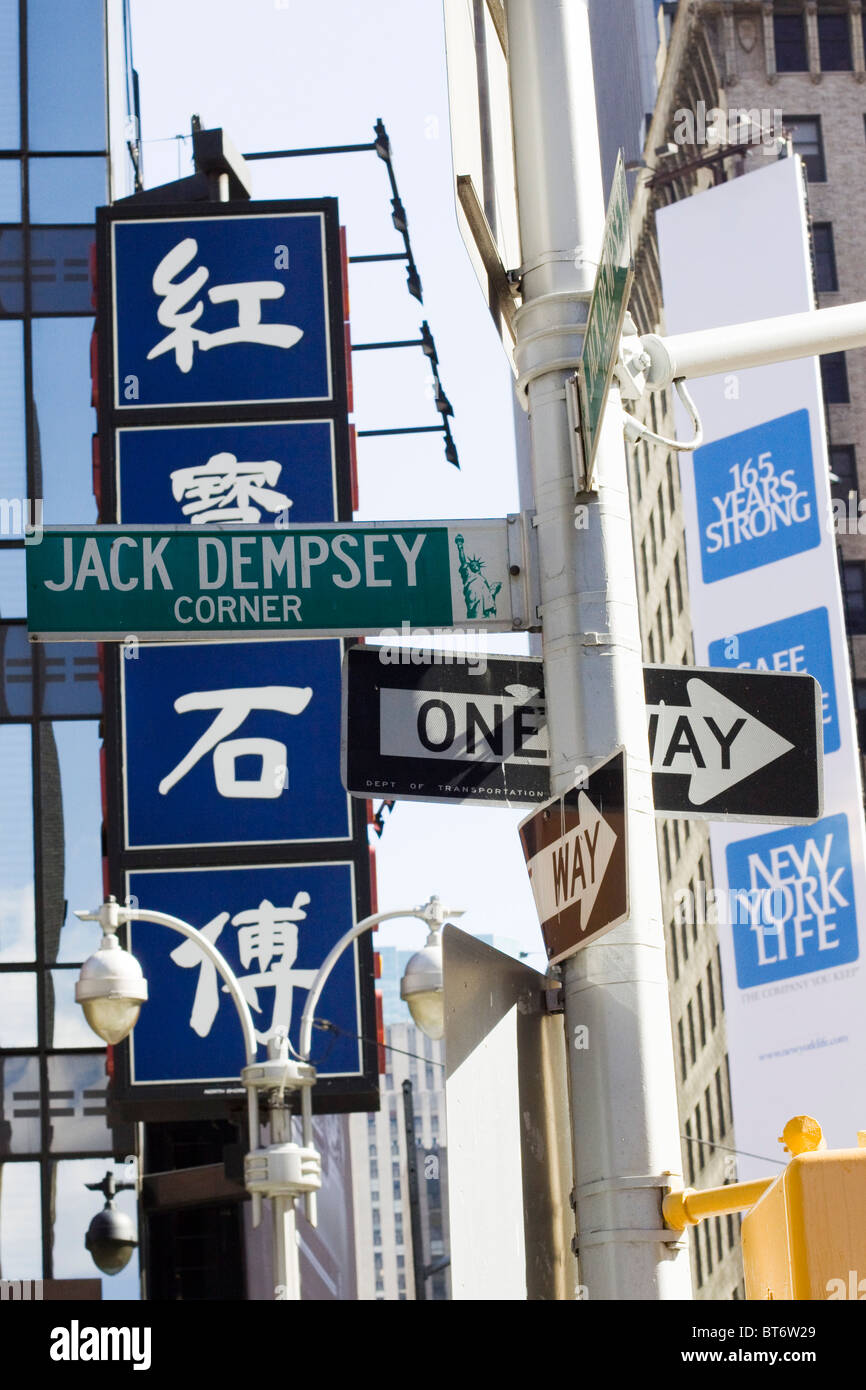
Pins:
<point x="60" y="270"/>
<point x="18" y="1009"/>
<point x="11" y="271"/>
<point x="66" y="75"/>
<point x="76" y="1103"/>
<point x="10" y="187"/>
<point x="20" y="1130"/>
<point x="75" y="1207"/>
<point x="13" y="586"/>
<point x="13" y="454"/>
<point x="20" y="1221"/>
<point x="66" y="1024"/>
<point x="64" y="418"/>
<point x="16" y="665"/>
<point x="66" y="190"/>
<point x="78" y="755"/>
<point x="10" y="116"/>
<point x="70" y="683"/>
<point x="17" y="909"/>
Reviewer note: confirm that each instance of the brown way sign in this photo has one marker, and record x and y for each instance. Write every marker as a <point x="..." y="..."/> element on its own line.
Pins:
<point x="576" y="856"/>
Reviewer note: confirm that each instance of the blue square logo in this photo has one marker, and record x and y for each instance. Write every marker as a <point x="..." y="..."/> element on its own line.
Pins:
<point x="221" y="310"/>
<point x="756" y="497"/>
<point x="798" y="643"/>
<point x="792" y="902"/>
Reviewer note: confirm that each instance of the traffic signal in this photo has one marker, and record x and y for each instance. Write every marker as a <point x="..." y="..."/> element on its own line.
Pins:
<point x="805" y="1237"/>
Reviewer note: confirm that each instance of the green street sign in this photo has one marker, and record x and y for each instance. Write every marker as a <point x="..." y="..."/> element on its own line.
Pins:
<point x="606" y="313"/>
<point x="175" y="583"/>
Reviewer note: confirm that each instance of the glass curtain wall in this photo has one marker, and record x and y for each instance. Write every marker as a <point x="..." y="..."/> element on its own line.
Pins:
<point x="53" y="173"/>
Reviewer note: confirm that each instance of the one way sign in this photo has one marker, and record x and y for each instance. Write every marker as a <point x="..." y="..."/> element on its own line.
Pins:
<point x="735" y="745"/>
<point x="575" y="850"/>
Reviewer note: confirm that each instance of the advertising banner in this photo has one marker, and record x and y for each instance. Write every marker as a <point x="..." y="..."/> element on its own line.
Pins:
<point x="765" y="596"/>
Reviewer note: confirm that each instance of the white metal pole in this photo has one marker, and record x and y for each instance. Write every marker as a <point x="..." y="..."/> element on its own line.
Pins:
<point x="736" y="347"/>
<point x="624" y="1113"/>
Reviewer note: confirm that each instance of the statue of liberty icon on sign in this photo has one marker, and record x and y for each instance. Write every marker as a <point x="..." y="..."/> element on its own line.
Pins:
<point x="478" y="592"/>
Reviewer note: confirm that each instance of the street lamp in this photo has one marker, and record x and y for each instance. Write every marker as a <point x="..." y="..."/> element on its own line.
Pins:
<point x="421" y="986"/>
<point x="112" y="1235"/>
<point x="111" y="989"/>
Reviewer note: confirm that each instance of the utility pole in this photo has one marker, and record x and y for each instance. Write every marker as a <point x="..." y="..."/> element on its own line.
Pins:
<point x="414" y="1194"/>
<point x="625" y="1130"/>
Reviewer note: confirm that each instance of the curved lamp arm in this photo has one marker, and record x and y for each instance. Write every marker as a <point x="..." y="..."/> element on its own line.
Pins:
<point x="434" y="914"/>
<point x="112" y="914"/>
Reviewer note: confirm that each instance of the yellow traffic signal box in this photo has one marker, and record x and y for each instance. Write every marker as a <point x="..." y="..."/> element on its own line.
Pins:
<point x="805" y="1238"/>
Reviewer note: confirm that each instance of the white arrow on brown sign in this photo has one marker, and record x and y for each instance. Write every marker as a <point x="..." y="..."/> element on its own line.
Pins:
<point x="575" y="851"/>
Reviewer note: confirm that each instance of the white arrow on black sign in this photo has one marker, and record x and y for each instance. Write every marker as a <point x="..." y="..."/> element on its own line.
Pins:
<point x="726" y="744"/>
<point x="712" y="739"/>
<point x="735" y="744"/>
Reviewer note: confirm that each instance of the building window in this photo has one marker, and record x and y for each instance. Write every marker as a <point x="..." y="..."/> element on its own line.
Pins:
<point x="711" y="995"/>
<point x="674" y="952"/>
<point x="644" y="566"/>
<point x="374" y="1170"/>
<point x="860" y="701"/>
<point x="708" y="1237"/>
<point x="843" y="470"/>
<point x="652" y="536"/>
<point x="652" y="649"/>
<point x="854" y="595"/>
<point x="834" y="378"/>
<point x="826" y="279"/>
<point x="661" y="511"/>
<point x="690" y="1014"/>
<point x="699" y="1131"/>
<point x="808" y="144"/>
<point x="671" y="491"/>
<point x="699" y="1272"/>
<point x="834" y="43"/>
<point x="710" y="1134"/>
<point x="690" y="1158"/>
<point x="702" y="1023"/>
<point x="670" y="608"/>
<point x="666" y="842"/>
<point x="789" y="34"/>
<point x="682" y="1041"/>
<point x="678" y="583"/>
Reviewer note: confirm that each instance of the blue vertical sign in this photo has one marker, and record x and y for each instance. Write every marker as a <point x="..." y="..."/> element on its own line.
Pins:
<point x="223" y="398"/>
<point x="220" y="310"/>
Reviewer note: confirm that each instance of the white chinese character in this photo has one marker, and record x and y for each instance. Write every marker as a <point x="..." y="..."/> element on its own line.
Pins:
<point x="206" y="1001"/>
<point x="268" y="937"/>
<point x="175" y="295"/>
<point x="211" y="488"/>
<point x="233" y="707"/>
